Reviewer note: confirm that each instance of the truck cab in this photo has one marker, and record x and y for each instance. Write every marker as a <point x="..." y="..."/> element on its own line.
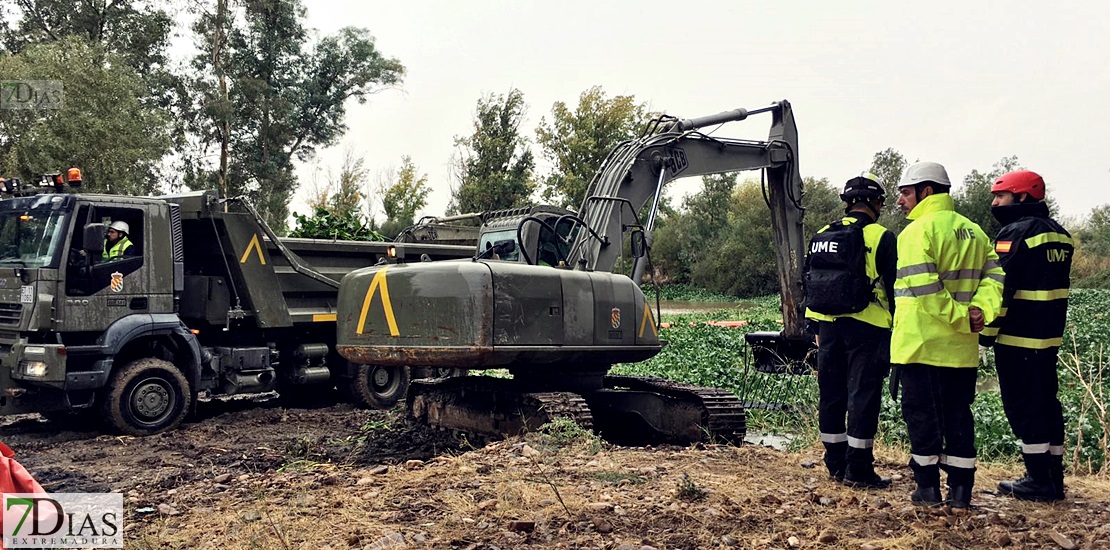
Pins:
<point x="62" y="301"/>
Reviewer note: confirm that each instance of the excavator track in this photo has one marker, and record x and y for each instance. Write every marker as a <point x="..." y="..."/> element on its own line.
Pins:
<point x="491" y="406"/>
<point x="666" y="412"/>
<point x="627" y="410"/>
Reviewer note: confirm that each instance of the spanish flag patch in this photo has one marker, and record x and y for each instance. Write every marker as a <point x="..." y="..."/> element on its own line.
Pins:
<point x="1002" y="247"/>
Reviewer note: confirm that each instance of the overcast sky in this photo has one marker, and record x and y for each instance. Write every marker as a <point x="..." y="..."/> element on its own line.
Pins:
<point x="962" y="83"/>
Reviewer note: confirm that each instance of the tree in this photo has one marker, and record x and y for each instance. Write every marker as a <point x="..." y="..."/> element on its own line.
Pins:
<point x="337" y="211"/>
<point x="103" y="126"/>
<point x="889" y="164"/>
<point x="973" y="197"/>
<point x="576" y="142"/>
<point x="137" y="32"/>
<point x="822" y="203"/>
<point x="404" y="197"/>
<point x="742" y="262"/>
<point x="493" y="165"/>
<point x="686" y="237"/>
<point x="283" y="99"/>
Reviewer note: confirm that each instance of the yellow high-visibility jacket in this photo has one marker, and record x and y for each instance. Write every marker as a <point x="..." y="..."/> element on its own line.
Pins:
<point x="945" y="264"/>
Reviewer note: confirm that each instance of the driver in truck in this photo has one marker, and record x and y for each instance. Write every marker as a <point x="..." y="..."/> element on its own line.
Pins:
<point x="116" y="243"/>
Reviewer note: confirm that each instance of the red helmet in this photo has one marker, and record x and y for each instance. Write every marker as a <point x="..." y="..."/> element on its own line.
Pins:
<point x="1020" y="181"/>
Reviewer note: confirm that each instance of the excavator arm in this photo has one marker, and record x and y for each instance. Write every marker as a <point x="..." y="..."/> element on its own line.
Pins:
<point x="634" y="174"/>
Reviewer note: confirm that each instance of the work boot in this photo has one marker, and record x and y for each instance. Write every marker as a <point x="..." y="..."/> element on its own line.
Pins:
<point x="864" y="476"/>
<point x="834" y="459"/>
<point x="926" y="496"/>
<point x="1056" y="468"/>
<point x="1037" y="484"/>
<point x="959" y="496"/>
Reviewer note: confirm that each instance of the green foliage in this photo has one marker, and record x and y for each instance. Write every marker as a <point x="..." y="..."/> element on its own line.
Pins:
<point x="403" y="197"/>
<point x="822" y="203"/>
<point x="576" y="142"/>
<point x="136" y="32"/>
<point x="563" y="431"/>
<point x="494" y="165"/>
<point x="327" y="224"/>
<point x="260" y="88"/>
<point x="719" y="357"/>
<point x="889" y="164"/>
<point x="103" y="127"/>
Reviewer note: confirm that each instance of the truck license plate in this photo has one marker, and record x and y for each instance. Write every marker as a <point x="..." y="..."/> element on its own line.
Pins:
<point x="27" y="294"/>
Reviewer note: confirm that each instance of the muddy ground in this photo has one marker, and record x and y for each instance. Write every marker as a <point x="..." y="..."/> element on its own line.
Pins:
<point x="257" y="475"/>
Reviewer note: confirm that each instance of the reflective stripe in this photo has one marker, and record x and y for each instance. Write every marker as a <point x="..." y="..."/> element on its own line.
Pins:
<point x="1056" y="450"/>
<point x="1030" y="343"/>
<point x="1002" y="312"/>
<point x="989" y="331"/>
<point x="1045" y="238"/>
<point x="925" y="460"/>
<point x="857" y="443"/>
<point x="998" y="277"/>
<point x="1034" y="448"/>
<point x="991" y="265"/>
<point x="963" y="296"/>
<point x="834" y="438"/>
<point x="958" y="461"/>
<point x="923" y="290"/>
<point x="1041" y="295"/>
<point x="918" y="269"/>
<point x="961" y="274"/>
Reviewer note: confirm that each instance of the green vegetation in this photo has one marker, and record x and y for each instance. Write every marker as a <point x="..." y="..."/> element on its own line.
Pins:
<point x="563" y="432"/>
<point x="715" y="356"/>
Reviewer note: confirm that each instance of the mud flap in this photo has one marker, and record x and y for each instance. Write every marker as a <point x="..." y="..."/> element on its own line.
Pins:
<point x="774" y="353"/>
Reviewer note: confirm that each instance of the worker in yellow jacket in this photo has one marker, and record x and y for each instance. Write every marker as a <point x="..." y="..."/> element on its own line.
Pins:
<point x="948" y="287"/>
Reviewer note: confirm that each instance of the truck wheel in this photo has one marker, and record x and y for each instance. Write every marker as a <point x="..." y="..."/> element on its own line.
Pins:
<point x="378" y="386"/>
<point x="145" y="397"/>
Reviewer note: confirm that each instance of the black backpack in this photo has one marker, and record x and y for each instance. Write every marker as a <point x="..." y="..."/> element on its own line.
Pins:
<point x="836" y="270"/>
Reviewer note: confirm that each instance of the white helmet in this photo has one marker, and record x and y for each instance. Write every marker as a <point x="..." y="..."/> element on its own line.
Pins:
<point x="120" y="226"/>
<point x="925" y="172"/>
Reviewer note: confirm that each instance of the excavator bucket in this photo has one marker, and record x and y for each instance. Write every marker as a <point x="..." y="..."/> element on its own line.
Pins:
<point x="774" y="353"/>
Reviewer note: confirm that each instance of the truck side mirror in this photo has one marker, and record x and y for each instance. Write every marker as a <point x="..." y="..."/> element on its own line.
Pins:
<point x="637" y="243"/>
<point x="93" y="237"/>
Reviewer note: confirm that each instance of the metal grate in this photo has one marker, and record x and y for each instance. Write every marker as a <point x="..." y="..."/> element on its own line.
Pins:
<point x="175" y="229"/>
<point x="10" y="313"/>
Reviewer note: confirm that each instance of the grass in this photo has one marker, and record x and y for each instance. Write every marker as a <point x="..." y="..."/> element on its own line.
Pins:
<point x="719" y="357"/>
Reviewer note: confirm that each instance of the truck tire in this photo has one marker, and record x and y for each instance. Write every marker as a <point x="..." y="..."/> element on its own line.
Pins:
<point x="378" y="386"/>
<point x="145" y="397"/>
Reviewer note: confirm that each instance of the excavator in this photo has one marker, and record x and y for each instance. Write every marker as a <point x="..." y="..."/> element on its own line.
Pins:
<point x="540" y="300"/>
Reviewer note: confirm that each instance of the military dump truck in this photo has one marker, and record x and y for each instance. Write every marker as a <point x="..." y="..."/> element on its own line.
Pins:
<point x="209" y="302"/>
<point x="540" y="300"/>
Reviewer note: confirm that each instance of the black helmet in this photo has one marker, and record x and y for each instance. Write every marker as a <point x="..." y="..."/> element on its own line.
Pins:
<point x="865" y="186"/>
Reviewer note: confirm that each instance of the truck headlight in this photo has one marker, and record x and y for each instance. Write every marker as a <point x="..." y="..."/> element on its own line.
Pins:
<point x="34" y="369"/>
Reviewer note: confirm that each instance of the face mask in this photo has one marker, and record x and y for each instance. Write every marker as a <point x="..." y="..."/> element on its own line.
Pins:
<point x="1007" y="214"/>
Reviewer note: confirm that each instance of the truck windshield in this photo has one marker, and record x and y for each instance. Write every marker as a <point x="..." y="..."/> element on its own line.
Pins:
<point x="32" y="230"/>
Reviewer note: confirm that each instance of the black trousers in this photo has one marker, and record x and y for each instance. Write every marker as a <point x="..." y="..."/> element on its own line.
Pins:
<point x="853" y="358"/>
<point x="936" y="405"/>
<point x="1028" y="383"/>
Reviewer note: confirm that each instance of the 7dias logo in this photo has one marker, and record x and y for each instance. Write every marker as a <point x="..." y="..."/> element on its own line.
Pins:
<point x="63" y="520"/>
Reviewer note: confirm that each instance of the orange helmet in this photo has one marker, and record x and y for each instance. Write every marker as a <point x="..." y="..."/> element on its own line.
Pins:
<point x="1020" y="181"/>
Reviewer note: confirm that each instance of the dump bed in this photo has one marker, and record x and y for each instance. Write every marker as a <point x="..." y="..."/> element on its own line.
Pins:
<point x="233" y="266"/>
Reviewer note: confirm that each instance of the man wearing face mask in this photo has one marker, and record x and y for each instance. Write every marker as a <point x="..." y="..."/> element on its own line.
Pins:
<point x="1036" y="253"/>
